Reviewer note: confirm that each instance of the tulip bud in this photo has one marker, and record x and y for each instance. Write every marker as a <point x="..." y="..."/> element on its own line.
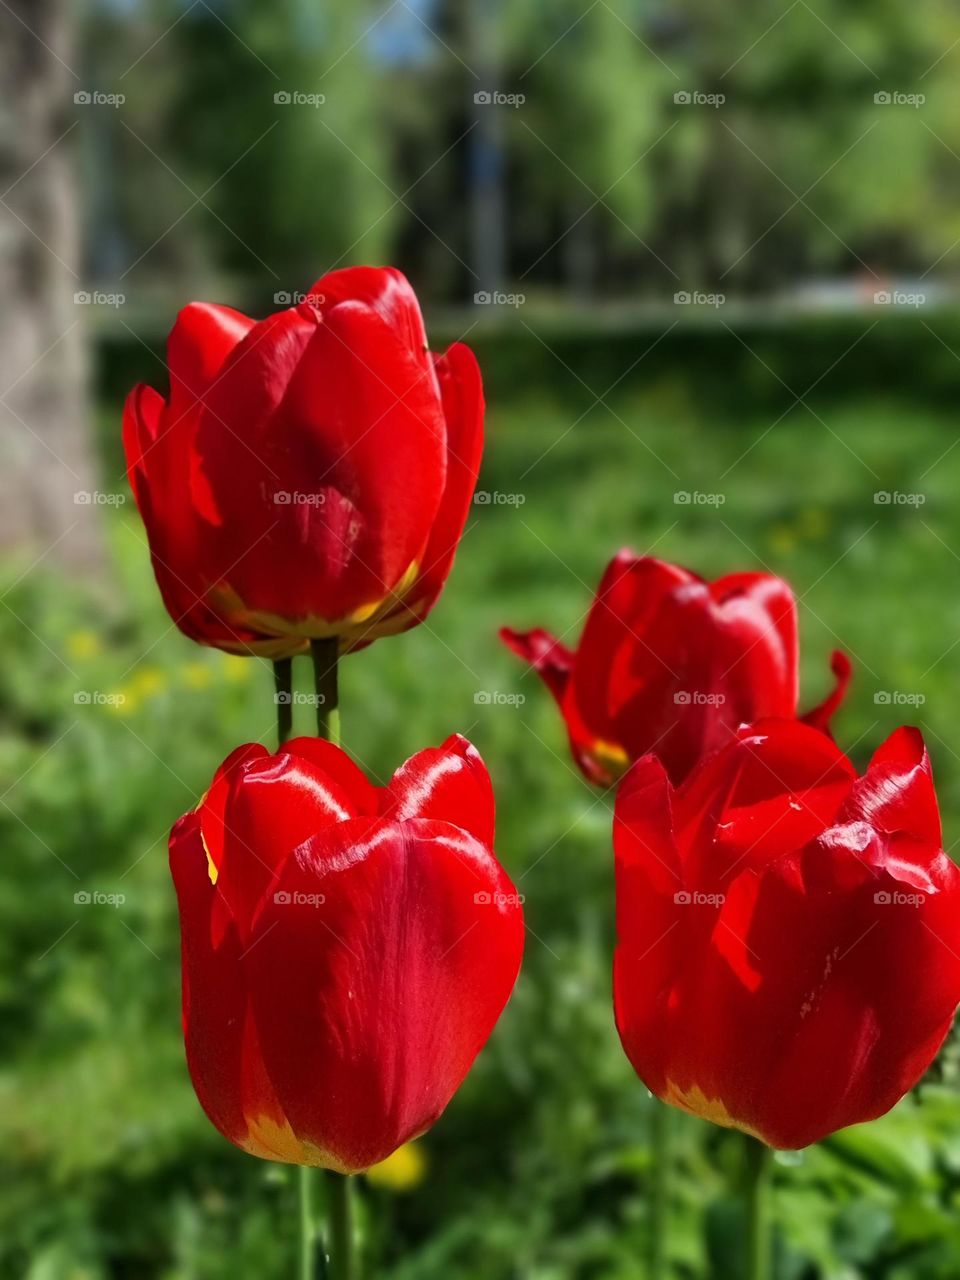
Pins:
<point x="309" y="474"/>
<point x="788" y="955"/>
<point x="673" y="665"/>
<point x="347" y="949"/>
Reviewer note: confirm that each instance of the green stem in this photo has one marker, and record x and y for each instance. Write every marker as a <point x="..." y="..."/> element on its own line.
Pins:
<point x="759" y="1197"/>
<point x="283" y="684"/>
<point x="660" y="1191"/>
<point x="325" y="653"/>
<point x="342" y="1260"/>
<point x="307" y="1237"/>
<point x="340" y="1201"/>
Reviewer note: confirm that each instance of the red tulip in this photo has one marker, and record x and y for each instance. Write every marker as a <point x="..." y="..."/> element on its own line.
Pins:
<point x="788" y="958"/>
<point x="671" y="664"/>
<point x="311" y="473"/>
<point x="347" y="949"/>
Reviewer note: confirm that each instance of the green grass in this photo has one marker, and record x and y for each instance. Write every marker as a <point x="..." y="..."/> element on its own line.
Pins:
<point x="539" y="1169"/>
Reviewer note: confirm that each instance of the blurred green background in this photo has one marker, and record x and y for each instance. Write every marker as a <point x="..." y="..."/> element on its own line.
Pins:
<point x="802" y="398"/>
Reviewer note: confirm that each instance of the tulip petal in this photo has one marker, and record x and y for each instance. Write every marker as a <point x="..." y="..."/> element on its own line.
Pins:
<point x="821" y="715"/>
<point x="776" y="786"/>
<point x="619" y="654"/>
<point x="385" y="290"/>
<point x="896" y="794"/>
<point x="270" y="805"/>
<point x="448" y="784"/>
<point x="550" y="658"/>
<point x="398" y="951"/>
<point x="214" y="993"/>
<point x="341" y="459"/>
<point x="202" y="337"/>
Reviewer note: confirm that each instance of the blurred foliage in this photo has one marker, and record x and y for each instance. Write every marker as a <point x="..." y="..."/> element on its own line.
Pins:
<point x="610" y="184"/>
<point x="540" y="1169"/>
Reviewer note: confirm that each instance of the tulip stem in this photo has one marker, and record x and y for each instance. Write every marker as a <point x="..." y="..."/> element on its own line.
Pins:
<point x="759" y="1197"/>
<point x="660" y="1190"/>
<point x="325" y="653"/>
<point x="307" y="1228"/>
<point x="283" y="684"/>
<point x="340" y="1213"/>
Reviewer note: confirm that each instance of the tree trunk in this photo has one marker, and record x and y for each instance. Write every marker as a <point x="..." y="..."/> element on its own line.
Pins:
<point x="48" y="504"/>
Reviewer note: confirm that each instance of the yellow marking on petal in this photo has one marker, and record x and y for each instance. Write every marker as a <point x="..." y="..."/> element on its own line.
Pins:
<point x="610" y="756"/>
<point x="289" y="631"/>
<point x="366" y="611"/>
<point x="402" y="1170"/>
<point x="212" y="869"/>
<point x="696" y="1103"/>
<point x="272" y="1141"/>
